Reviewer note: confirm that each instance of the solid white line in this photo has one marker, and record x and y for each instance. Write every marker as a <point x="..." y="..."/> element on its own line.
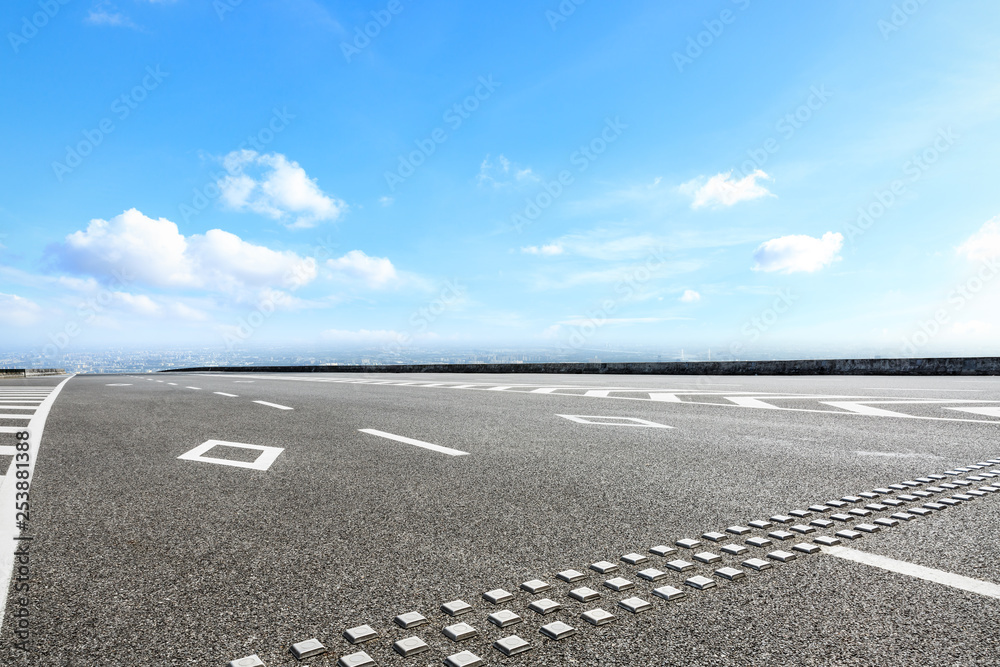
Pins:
<point x="15" y="416"/>
<point x="9" y="532"/>
<point x="416" y="443"/>
<point x="274" y="405"/>
<point x="989" y="412"/>
<point x="222" y="393"/>
<point x="18" y="407"/>
<point x="986" y="588"/>
<point x="8" y="450"/>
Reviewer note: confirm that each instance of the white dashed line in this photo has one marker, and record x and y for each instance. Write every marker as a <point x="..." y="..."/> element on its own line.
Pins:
<point x="274" y="405"/>
<point x="919" y="571"/>
<point x="416" y="443"/>
<point x="195" y="388"/>
<point x="222" y="393"/>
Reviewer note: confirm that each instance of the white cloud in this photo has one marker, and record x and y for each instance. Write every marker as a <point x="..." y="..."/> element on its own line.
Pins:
<point x="103" y="13"/>
<point x="281" y="190"/>
<point x="153" y="252"/>
<point x="690" y="296"/>
<point x="723" y="190"/>
<point x="138" y="304"/>
<point x="386" y="200"/>
<point x="18" y="311"/>
<point x="374" y="272"/>
<point x="550" y="249"/>
<point x="985" y="243"/>
<point x="503" y="173"/>
<point x="798" y="252"/>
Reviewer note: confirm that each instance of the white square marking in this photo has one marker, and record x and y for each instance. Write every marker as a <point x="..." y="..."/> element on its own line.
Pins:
<point x="613" y="421"/>
<point x="263" y="461"/>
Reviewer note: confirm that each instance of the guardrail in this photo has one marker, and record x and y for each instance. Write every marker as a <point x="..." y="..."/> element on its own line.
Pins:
<point x="927" y="366"/>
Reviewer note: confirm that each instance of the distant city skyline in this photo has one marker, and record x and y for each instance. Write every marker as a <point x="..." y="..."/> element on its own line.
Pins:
<point x="562" y="180"/>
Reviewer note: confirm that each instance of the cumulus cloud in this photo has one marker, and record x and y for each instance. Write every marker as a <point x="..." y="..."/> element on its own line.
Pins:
<point x="139" y="249"/>
<point x="356" y="266"/>
<point x="723" y="190"/>
<point x="798" y="252"/>
<point x="690" y="296"/>
<point x="550" y="249"/>
<point x="18" y="311"/>
<point x="984" y="244"/>
<point x="273" y="185"/>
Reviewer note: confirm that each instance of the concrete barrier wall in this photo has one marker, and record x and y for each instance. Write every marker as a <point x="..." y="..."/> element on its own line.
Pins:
<point x="29" y="372"/>
<point x="930" y="366"/>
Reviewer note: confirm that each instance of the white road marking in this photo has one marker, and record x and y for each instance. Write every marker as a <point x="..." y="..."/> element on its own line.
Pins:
<point x="243" y="381"/>
<point x="222" y="393"/>
<point x="195" y="388"/>
<point x="989" y="412"/>
<point x="173" y="383"/>
<point x="622" y="421"/>
<point x="274" y="405"/>
<point x="865" y="407"/>
<point x="9" y="532"/>
<point x="118" y="384"/>
<point x="665" y="398"/>
<point x="18" y="407"/>
<point x="693" y="392"/>
<point x="978" y="586"/>
<point x="544" y="390"/>
<point x="416" y="443"/>
<point x="599" y="393"/>
<point x="20" y="400"/>
<point x="8" y="450"/>
<point x="15" y="416"/>
<point x="262" y="462"/>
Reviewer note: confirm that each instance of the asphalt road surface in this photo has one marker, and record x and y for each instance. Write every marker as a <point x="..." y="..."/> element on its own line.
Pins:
<point x="346" y="500"/>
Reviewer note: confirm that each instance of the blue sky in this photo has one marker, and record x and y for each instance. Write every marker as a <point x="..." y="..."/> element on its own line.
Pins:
<point x="744" y="176"/>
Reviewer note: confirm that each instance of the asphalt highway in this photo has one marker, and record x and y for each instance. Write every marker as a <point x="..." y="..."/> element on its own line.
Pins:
<point x="139" y="557"/>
